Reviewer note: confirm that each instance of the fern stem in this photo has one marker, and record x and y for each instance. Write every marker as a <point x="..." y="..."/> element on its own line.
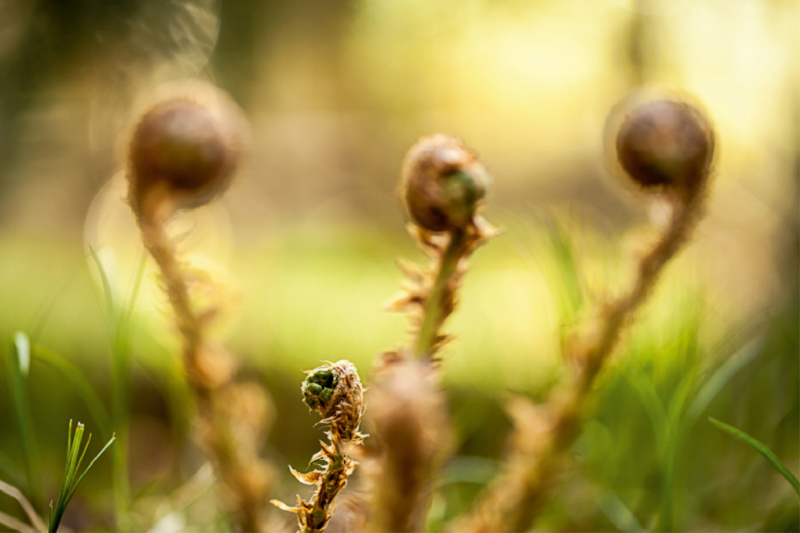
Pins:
<point x="217" y="439"/>
<point x="544" y="434"/>
<point x="435" y="312"/>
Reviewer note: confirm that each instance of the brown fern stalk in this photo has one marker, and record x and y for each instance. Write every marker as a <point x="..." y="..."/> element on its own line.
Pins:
<point x="335" y="392"/>
<point x="409" y="427"/>
<point x="662" y="145"/>
<point x="211" y="372"/>
<point x="443" y="185"/>
<point x="183" y="155"/>
<point x="440" y="301"/>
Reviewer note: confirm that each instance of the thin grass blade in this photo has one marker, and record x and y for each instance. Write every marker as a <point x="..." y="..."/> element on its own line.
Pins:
<point x="121" y="357"/>
<point x="137" y="285"/>
<point x="66" y="465"/>
<point x="23" y="348"/>
<point x="69" y="484"/>
<point x="75" y="449"/>
<point x="762" y="449"/>
<point x="109" y="296"/>
<point x="648" y="396"/>
<point x="91" y="464"/>
<point x="27" y="507"/>
<point x="22" y="412"/>
<point x="86" y="447"/>
<point x="15" y="525"/>
<point x="54" y="517"/>
<point x="42" y="314"/>
<point x="564" y="252"/>
<point x="721" y="376"/>
<point x="119" y="330"/>
<point x="69" y="440"/>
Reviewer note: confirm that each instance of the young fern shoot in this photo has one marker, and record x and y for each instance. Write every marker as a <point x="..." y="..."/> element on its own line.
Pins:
<point x="443" y="185"/>
<point x="334" y="391"/>
<point x="182" y="155"/>
<point x="664" y="146"/>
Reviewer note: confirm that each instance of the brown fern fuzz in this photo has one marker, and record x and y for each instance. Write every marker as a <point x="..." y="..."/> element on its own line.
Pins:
<point x="335" y="392"/>
<point x="443" y="183"/>
<point x="667" y="144"/>
<point x="410" y="423"/>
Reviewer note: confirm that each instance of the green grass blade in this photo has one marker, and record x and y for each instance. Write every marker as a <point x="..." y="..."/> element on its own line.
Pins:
<point x="42" y="314"/>
<point x="648" y="396"/>
<point x="121" y="371"/>
<point x="680" y="396"/>
<point x="558" y="261"/>
<point x="762" y="449"/>
<point x="555" y="257"/>
<point x="564" y="252"/>
<point x="137" y="285"/>
<point x="86" y="447"/>
<point x="55" y="516"/>
<point x="22" y="345"/>
<point x="109" y="296"/>
<point x="120" y="336"/>
<point x="13" y="524"/>
<point x="27" y="507"/>
<point x="619" y="514"/>
<point x="80" y="384"/>
<point x="69" y="442"/>
<point x="68" y="483"/>
<point x="72" y="466"/>
<point x="91" y="464"/>
<point x="664" y="433"/>
<point x="22" y="412"/>
<point x="721" y="377"/>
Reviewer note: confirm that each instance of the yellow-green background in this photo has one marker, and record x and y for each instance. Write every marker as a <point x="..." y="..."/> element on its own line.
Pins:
<point x="305" y="241"/>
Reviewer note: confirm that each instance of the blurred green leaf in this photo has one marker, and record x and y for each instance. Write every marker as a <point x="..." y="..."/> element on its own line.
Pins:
<point x="619" y="514"/>
<point x="467" y="469"/>
<point x="762" y="449"/>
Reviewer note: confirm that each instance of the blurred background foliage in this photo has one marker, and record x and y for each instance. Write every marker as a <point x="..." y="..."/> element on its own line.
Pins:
<point x="335" y="92"/>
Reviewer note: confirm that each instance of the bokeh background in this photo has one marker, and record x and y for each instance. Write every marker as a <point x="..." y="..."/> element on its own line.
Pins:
<point x="305" y="242"/>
